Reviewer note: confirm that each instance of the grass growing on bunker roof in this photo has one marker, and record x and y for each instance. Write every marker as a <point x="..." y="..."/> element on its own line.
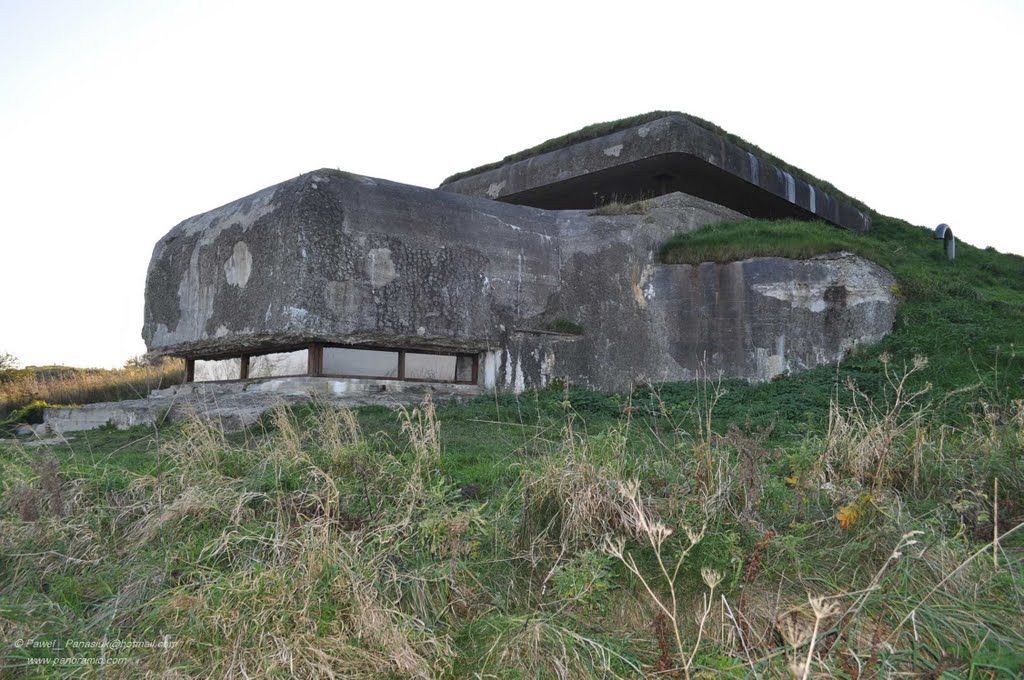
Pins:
<point x="966" y="316"/>
<point x="596" y="130"/>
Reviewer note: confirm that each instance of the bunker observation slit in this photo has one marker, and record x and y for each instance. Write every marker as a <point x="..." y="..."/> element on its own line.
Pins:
<point x="338" y="361"/>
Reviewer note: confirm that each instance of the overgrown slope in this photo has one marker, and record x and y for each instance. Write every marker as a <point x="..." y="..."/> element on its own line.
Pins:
<point x="518" y="539"/>
<point x="853" y="522"/>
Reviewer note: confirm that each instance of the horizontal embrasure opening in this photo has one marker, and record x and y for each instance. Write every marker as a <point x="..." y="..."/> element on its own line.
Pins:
<point x="337" y="361"/>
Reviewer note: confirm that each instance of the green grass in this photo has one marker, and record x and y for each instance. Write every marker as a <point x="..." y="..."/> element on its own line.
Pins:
<point x="467" y="555"/>
<point x="965" y="316"/>
<point x="596" y="130"/>
<point x="395" y="545"/>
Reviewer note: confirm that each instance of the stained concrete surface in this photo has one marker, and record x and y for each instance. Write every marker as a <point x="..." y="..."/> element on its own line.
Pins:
<point x="340" y="258"/>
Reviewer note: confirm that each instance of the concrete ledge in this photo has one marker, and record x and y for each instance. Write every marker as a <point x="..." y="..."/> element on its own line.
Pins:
<point x="238" y="404"/>
<point x="121" y="414"/>
<point x="665" y="155"/>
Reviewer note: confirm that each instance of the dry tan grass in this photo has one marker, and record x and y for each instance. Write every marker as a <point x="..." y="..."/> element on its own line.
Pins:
<point x="310" y="550"/>
<point x="85" y="386"/>
<point x="573" y="501"/>
<point x="868" y="439"/>
<point x="538" y="646"/>
<point x="291" y="555"/>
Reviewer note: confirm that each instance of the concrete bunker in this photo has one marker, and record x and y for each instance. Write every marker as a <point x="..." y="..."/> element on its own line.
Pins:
<point x="342" y="285"/>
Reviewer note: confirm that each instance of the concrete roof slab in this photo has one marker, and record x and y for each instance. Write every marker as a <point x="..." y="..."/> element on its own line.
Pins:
<point x="665" y="155"/>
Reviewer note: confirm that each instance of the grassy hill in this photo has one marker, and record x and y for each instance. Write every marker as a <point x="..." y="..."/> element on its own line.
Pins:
<point x="854" y="521"/>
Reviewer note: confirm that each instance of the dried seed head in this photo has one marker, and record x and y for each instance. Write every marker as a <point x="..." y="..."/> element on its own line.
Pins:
<point x="614" y="546"/>
<point x="794" y="632"/>
<point x="694" y="536"/>
<point x="661" y="531"/>
<point x="711" y="577"/>
<point x="822" y="607"/>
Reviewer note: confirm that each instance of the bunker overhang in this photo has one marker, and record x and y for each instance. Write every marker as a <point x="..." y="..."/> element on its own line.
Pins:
<point x="665" y="155"/>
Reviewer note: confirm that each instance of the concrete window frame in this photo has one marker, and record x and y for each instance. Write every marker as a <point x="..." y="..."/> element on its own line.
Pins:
<point x="466" y="364"/>
<point x="460" y="359"/>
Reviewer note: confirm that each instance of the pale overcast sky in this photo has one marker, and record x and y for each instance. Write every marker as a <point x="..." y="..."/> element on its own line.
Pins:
<point x="119" y="119"/>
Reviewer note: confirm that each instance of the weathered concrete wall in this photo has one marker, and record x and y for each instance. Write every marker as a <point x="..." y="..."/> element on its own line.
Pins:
<point x="655" y="158"/>
<point x="334" y="257"/>
<point x="120" y="414"/>
<point x="754" y="320"/>
<point x="767" y="316"/>
<point x="340" y="257"/>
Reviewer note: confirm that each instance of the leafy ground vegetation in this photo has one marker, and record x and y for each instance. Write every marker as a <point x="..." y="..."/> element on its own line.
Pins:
<point x="857" y="521"/>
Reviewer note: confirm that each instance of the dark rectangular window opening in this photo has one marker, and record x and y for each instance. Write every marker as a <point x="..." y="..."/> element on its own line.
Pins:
<point x="349" y="362"/>
<point x="216" y="370"/>
<point x="339" y="361"/>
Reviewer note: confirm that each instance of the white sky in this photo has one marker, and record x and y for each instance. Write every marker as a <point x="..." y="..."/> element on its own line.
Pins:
<point x="119" y="119"/>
